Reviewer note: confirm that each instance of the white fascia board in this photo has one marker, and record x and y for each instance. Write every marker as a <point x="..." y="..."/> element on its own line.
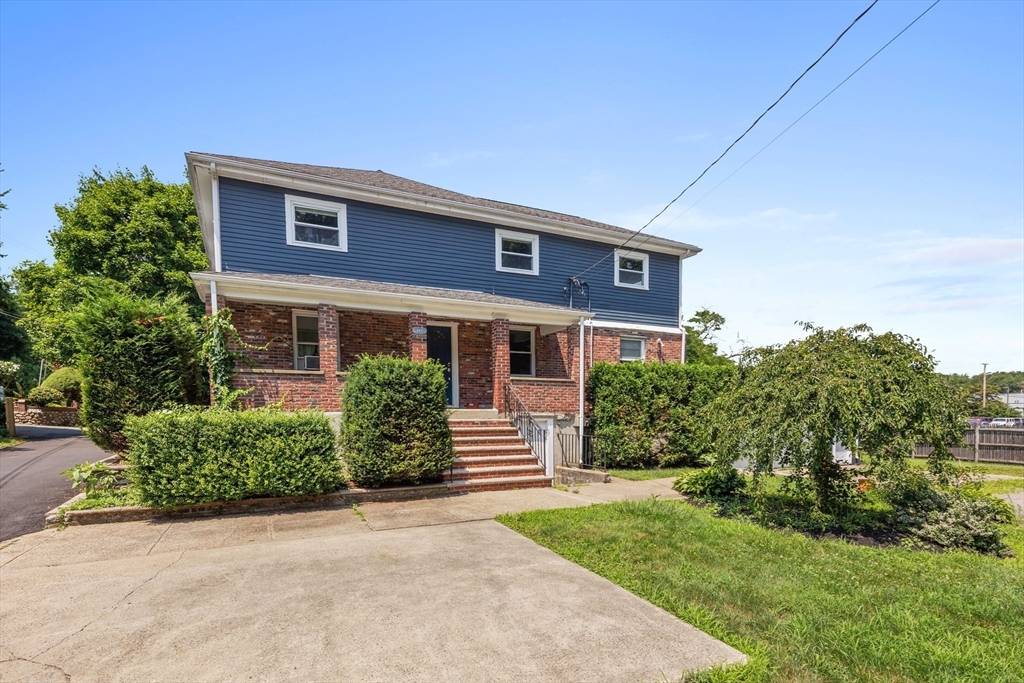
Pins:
<point x="201" y="180"/>
<point x="633" y="327"/>
<point x="375" y="195"/>
<point x="251" y="289"/>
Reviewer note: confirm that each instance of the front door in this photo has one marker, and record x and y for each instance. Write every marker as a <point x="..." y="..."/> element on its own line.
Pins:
<point x="439" y="347"/>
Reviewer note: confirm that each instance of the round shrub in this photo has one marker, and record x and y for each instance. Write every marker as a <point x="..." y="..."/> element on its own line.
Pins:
<point x="68" y="381"/>
<point x="44" y="396"/>
<point x="394" y="423"/>
<point x="713" y="482"/>
<point x="194" y="455"/>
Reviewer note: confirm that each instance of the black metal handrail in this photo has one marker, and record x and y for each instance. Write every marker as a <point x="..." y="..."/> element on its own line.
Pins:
<point x="594" y="456"/>
<point x="536" y="437"/>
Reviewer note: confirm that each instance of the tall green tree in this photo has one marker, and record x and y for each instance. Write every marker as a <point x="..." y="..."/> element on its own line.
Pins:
<point x="122" y="232"/>
<point x="877" y="394"/>
<point x="701" y="347"/>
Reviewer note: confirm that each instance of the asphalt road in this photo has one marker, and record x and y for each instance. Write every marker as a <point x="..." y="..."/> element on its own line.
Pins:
<point x="30" y="481"/>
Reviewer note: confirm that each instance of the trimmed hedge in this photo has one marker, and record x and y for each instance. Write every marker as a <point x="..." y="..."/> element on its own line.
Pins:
<point x="194" y="455"/>
<point x="136" y="356"/>
<point x="68" y="381"/>
<point x="394" y="423"/>
<point x="646" y="413"/>
<point x="44" y="396"/>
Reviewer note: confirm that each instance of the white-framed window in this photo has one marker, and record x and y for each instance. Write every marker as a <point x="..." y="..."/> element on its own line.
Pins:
<point x="316" y="223"/>
<point x="516" y="252"/>
<point x="306" y="336"/>
<point x="631" y="269"/>
<point x="521" y="352"/>
<point x="631" y="349"/>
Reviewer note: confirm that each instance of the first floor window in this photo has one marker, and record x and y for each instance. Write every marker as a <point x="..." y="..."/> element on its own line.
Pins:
<point x="520" y="351"/>
<point x="307" y="342"/>
<point x="631" y="349"/>
<point x="630" y="269"/>
<point x="516" y="252"/>
<point x="315" y="223"/>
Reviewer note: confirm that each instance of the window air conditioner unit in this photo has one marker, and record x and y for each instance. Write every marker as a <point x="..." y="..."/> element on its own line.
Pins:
<point x="311" y="362"/>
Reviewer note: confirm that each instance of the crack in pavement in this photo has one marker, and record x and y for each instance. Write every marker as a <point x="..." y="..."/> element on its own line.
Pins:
<point x="24" y="552"/>
<point x="16" y="658"/>
<point x="114" y="607"/>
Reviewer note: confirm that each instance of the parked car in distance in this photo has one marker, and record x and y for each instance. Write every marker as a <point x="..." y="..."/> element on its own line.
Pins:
<point x="1004" y="422"/>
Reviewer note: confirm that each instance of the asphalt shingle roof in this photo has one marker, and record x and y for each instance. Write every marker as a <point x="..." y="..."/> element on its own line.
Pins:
<point x="387" y="287"/>
<point x="387" y="181"/>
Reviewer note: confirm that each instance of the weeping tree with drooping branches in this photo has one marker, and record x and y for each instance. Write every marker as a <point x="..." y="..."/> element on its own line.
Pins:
<point x="877" y="394"/>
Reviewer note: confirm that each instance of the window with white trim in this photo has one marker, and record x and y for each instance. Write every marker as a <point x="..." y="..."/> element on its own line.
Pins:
<point x="306" y="333"/>
<point x="631" y="269"/>
<point x="521" y="361"/>
<point x="516" y="252"/>
<point x="631" y="349"/>
<point x="316" y="223"/>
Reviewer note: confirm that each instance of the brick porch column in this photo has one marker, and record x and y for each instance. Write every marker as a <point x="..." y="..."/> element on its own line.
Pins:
<point x="417" y="342"/>
<point x="499" y="360"/>
<point x="328" y="332"/>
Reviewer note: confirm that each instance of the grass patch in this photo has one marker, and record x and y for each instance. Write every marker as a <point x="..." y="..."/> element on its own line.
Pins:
<point x="124" y="496"/>
<point x="654" y="473"/>
<point x="8" y="441"/>
<point x="993" y="486"/>
<point x="976" y="467"/>
<point x="804" y="609"/>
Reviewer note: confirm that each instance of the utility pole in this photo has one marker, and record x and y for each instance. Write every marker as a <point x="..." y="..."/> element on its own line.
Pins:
<point x="984" y="384"/>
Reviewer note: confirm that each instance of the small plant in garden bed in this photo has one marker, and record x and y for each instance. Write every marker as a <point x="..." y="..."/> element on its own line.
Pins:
<point x="90" y="476"/>
<point x="121" y="496"/>
<point x="45" y="396"/>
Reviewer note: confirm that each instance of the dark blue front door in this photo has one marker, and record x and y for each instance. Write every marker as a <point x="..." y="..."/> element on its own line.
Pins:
<point x="439" y="347"/>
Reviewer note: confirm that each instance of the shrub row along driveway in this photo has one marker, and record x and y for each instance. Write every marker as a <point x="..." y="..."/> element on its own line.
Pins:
<point x="320" y="596"/>
<point x="30" y="481"/>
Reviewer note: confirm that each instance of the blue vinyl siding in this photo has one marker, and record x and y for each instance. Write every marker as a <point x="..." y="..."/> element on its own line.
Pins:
<point x="387" y="244"/>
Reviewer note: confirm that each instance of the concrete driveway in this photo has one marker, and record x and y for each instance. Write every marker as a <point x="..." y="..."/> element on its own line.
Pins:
<point x="30" y="481"/>
<point x="419" y="591"/>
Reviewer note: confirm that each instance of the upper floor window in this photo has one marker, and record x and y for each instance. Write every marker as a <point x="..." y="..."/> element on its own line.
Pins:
<point x="520" y="351"/>
<point x="305" y="327"/>
<point x="316" y="223"/>
<point x="516" y="252"/>
<point x="631" y="269"/>
<point x="631" y="349"/>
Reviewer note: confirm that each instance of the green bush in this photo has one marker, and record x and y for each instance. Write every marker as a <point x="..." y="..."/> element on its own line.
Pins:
<point x="394" y="422"/>
<point x="68" y="381"/>
<point x="713" y="482"/>
<point x="646" y="413"/>
<point x="194" y="455"/>
<point x="44" y="396"/>
<point x="136" y="356"/>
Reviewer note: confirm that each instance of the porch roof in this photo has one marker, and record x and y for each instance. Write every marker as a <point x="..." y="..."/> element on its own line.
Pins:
<point x="388" y="297"/>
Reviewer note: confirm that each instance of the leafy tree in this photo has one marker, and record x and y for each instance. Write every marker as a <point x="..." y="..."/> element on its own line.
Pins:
<point x="122" y="232"/>
<point x="700" y="338"/>
<point x="877" y="394"/>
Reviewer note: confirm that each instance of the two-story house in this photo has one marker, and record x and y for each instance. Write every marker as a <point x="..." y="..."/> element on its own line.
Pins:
<point x="322" y="264"/>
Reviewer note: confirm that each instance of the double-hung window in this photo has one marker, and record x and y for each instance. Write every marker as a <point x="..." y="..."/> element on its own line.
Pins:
<point x="516" y="252"/>
<point x="521" y="351"/>
<point x="316" y="223"/>
<point x="631" y="349"/>
<point x="306" y="333"/>
<point x="631" y="269"/>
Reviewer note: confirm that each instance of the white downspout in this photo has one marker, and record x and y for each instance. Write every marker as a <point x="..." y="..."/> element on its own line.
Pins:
<point x="213" y="296"/>
<point x="216" y="219"/>
<point x="682" y="329"/>
<point x="582" y="368"/>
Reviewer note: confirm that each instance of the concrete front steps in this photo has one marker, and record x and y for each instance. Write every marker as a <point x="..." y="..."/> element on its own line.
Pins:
<point x="491" y="456"/>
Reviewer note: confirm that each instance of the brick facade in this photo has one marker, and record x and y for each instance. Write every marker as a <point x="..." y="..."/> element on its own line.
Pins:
<point x="483" y="357"/>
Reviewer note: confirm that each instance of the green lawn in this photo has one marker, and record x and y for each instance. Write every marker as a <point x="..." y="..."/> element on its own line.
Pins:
<point x="979" y="467"/>
<point x="657" y="473"/>
<point x="801" y="609"/>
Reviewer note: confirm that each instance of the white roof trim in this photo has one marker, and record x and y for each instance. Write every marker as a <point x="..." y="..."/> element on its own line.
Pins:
<point x="632" y="327"/>
<point x="248" y="288"/>
<point x="338" y="188"/>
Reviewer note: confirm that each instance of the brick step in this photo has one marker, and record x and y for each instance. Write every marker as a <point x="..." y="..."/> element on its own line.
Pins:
<point x="476" y="473"/>
<point x="485" y="431"/>
<point x="515" y="440"/>
<point x="494" y="460"/>
<point x="500" y="484"/>
<point x="478" y="423"/>
<point x="484" y="451"/>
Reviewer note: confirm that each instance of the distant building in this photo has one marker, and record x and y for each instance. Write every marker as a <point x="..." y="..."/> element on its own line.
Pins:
<point x="1014" y="401"/>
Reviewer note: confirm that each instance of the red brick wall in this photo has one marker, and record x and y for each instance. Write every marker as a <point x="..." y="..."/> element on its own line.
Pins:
<point x="554" y="355"/>
<point x="306" y="390"/>
<point x="606" y="345"/>
<point x="417" y="342"/>
<point x="476" y="384"/>
<point x="362" y="332"/>
<point x="499" y="359"/>
<point x="265" y="325"/>
<point x="547" y="397"/>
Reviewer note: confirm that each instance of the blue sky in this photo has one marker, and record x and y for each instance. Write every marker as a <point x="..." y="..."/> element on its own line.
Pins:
<point x="898" y="202"/>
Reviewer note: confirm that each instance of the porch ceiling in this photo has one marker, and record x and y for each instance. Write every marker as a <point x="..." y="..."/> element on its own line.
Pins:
<point x="367" y="295"/>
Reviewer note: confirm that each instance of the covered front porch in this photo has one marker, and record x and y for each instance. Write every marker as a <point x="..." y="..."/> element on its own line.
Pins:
<point x="302" y="333"/>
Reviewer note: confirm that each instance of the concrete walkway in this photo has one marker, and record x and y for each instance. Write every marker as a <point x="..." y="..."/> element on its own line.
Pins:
<point x="421" y="591"/>
<point x="30" y="481"/>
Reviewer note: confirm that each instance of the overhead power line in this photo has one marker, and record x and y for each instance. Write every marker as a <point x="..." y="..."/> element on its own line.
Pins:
<point x="786" y="129"/>
<point x="743" y="135"/>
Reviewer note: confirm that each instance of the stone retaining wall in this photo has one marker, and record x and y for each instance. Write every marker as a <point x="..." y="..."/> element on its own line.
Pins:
<point x="48" y="417"/>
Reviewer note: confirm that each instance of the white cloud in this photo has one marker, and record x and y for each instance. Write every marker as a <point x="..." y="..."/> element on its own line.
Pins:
<point x="960" y="252"/>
